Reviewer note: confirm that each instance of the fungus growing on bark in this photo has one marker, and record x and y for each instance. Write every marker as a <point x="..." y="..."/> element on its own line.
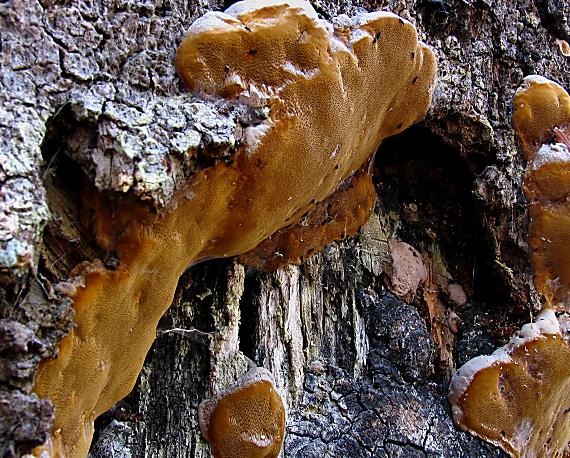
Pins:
<point x="548" y="175"/>
<point x="331" y="95"/>
<point x="564" y="47"/>
<point x="518" y="398"/>
<point x="457" y="294"/>
<point x="246" y="420"/>
<point x="549" y="240"/>
<point x="542" y="119"/>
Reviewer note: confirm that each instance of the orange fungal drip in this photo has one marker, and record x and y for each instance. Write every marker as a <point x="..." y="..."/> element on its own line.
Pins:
<point x="339" y="216"/>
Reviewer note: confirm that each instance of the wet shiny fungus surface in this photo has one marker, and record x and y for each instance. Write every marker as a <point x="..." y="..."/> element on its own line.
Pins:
<point x="541" y="119"/>
<point x="540" y="106"/>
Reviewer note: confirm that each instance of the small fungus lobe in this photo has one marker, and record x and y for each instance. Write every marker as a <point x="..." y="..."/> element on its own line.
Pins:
<point x="408" y="268"/>
<point x="457" y="294"/>
<point x="248" y="420"/>
<point x="564" y="47"/>
<point x="540" y="106"/>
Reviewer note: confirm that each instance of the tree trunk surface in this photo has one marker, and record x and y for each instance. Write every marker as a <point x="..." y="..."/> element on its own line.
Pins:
<point x="364" y="372"/>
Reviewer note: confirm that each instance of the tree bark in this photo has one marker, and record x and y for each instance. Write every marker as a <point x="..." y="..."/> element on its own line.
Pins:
<point x="364" y="373"/>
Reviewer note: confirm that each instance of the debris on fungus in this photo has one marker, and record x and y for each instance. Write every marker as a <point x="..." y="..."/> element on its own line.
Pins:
<point x="246" y="420"/>
<point x="331" y="94"/>
<point x="542" y="120"/>
<point x="518" y="398"/>
<point x="548" y="175"/>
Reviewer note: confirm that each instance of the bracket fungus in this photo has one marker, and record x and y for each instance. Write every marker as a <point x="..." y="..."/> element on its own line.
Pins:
<point x="246" y="420"/>
<point x="542" y="123"/>
<point x="331" y="94"/>
<point x="519" y="397"/>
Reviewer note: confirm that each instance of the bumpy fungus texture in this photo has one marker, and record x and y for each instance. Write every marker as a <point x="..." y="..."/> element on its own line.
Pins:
<point x="331" y="95"/>
<point x="541" y="118"/>
<point x="518" y="397"/>
<point x="248" y="420"/>
<point x="339" y="216"/>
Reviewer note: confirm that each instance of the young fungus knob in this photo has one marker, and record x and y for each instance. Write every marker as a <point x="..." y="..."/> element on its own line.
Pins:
<point x="248" y="420"/>
<point x="518" y="398"/>
<point x="325" y="96"/>
<point x="408" y="268"/>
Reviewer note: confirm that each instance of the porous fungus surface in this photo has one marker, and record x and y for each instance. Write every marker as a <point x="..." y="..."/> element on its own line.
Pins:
<point x="248" y="420"/>
<point x="540" y="106"/>
<point x="541" y="119"/>
<point x="518" y="397"/>
<point x="548" y="175"/>
<point x="331" y="95"/>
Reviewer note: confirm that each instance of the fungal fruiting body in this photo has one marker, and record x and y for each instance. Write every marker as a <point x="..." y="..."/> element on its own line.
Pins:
<point x="542" y="122"/>
<point x="518" y="397"/>
<point x="332" y="94"/>
<point x="408" y="268"/>
<point x="246" y="420"/>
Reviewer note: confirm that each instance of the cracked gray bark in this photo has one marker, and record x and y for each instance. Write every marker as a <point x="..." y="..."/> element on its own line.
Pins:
<point x="90" y="87"/>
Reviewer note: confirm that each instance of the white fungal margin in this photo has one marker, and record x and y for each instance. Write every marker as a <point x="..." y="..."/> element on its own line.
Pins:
<point x="546" y="325"/>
